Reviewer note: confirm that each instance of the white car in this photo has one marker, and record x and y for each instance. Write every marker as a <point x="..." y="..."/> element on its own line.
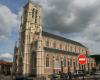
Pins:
<point x="97" y="73"/>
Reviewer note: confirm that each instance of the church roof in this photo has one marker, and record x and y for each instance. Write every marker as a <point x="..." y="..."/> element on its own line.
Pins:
<point x="47" y="34"/>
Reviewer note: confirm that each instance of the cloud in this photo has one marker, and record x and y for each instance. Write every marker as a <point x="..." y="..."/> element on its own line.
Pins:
<point x="85" y="3"/>
<point x="6" y="56"/>
<point x="66" y="16"/>
<point x="76" y="19"/>
<point x="8" y="21"/>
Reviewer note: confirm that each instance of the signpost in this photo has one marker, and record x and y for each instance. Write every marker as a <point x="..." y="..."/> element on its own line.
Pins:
<point x="82" y="61"/>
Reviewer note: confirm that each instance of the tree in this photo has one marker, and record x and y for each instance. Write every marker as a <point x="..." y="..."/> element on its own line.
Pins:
<point x="96" y="57"/>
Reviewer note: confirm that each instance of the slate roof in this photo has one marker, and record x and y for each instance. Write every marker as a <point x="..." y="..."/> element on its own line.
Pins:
<point x="47" y="34"/>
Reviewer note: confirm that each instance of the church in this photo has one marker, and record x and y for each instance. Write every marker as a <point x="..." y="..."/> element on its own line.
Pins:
<point x="40" y="53"/>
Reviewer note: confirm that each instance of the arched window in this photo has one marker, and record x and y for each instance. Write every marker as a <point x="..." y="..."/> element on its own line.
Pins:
<point x="47" y="61"/>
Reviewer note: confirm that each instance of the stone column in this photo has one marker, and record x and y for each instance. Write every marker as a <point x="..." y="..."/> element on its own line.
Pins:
<point x="40" y="58"/>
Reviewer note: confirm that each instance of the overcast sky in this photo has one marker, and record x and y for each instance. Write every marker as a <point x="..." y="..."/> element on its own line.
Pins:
<point x="78" y="20"/>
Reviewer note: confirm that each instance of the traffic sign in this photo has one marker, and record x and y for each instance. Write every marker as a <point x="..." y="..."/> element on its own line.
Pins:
<point x="82" y="59"/>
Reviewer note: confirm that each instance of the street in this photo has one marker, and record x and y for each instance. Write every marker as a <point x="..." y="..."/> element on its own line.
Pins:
<point x="95" y="76"/>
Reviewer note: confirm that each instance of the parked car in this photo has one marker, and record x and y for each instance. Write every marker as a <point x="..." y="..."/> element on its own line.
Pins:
<point x="19" y="78"/>
<point x="93" y="71"/>
<point x="64" y="76"/>
<point x="78" y="73"/>
<point x="54" y="76"/>
<point x="97" y="73"/>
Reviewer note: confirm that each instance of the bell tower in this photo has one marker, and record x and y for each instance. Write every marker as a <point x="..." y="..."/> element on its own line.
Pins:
<point x="31" y="31"/>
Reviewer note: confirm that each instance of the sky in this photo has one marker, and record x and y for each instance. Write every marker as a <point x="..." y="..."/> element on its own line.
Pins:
<point x="78" y="20"/>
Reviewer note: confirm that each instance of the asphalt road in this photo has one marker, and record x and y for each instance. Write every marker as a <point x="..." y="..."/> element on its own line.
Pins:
<point x="88" y="77"/>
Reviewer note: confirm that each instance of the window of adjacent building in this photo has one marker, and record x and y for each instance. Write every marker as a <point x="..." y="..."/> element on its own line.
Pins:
<point x="47" y="61"/>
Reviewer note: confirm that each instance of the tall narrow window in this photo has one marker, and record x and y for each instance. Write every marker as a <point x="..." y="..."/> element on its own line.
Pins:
<point x="25" y="15"/>
<point x="76" y="62"/>
<point x="36" y="16"/>
<point x="75" y="50"/>
<point x="71" y="62"/>
<point x="47" y="61"/>
<point x="54" y="44"/>
<point x="47" y="43"/>
<point x="64" y="61"/>
<point x="60" y="46"/>
<point x="71" y="48"/>
<point x="33" y="13"/>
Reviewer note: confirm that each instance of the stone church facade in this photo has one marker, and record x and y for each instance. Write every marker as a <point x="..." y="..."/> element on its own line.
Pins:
<point x="40" y="53"/>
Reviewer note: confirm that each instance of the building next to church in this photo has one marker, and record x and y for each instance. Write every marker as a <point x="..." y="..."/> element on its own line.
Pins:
<point x="40" y="53"/>
<point x="5" y="67"/>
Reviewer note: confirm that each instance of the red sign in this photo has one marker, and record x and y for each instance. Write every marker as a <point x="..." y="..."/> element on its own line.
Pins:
<point x="82" y="59"/>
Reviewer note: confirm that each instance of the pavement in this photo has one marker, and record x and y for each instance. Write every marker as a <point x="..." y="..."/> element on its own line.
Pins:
<point x="87" y="77"/>
<point x="3" y="77"/>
